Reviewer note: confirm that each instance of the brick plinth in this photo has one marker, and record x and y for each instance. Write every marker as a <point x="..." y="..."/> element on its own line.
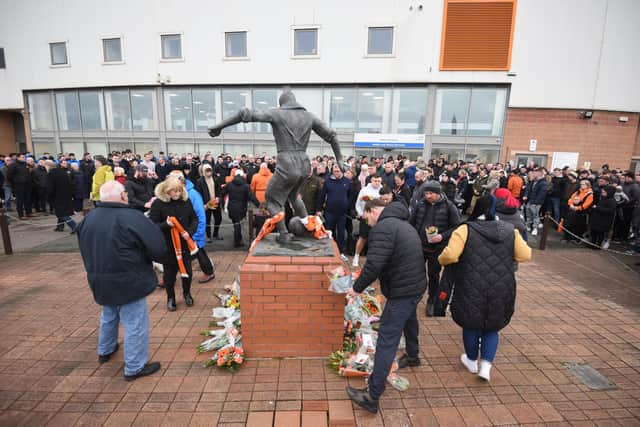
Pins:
<point x="287" y="310"/>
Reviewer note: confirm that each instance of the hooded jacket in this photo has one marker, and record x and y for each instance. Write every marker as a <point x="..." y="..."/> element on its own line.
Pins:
<point x="259" y="183"/>
<point x="442" y="214"/>
<point x="101" y="175"/>
<point x="483" y="254"/>
<point x="367" y="192"/>
<point x="140" y="192"/>
<point x="198" y="207"/>
<point x="239" y="196"/>
<point x="394" y="256"/>
<point x="602" y="215"/>
<point x="117" y="244"/>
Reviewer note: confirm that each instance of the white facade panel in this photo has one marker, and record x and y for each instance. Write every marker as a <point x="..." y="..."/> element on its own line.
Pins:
<point x="556" y="52"/>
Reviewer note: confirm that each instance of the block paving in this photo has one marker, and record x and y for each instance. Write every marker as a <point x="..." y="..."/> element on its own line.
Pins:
<point x="49" y="374"/>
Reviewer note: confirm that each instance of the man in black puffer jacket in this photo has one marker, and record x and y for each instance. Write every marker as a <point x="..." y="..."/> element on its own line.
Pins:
<point x="395" y="258"/>
<point x="140" y="189"/>
<point x="434" y="210"/>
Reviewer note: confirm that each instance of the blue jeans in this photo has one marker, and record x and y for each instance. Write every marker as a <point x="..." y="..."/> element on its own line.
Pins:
<point x="337" y="224"/>
<point x="398" y="316"/>
<point x="555" y="207"/>
<point x="135" y="320"/>
<point x="68" y="220"/>
<point x="8" y="192"/>
<point x="473" y="338"/>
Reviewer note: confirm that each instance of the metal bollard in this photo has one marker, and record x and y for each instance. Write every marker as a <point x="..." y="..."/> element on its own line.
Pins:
<point x="4" y="228"/>
<point x="546" y="225"/>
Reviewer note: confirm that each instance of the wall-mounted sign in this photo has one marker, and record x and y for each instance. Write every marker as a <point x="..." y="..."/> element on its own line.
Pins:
<point x="533" y="145"/>
<point x="562" y="159"/>
<point x="388" y="140"/>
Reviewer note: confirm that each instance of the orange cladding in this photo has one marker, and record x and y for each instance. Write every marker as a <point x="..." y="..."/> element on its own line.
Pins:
<point x="477" y="34"/>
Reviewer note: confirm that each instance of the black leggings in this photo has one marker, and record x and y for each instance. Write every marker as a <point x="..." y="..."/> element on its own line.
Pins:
<point x="217" y="219"/>
<point x="169" y="277"/>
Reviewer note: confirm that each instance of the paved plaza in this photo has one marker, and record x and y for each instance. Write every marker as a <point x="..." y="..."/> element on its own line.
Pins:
<point x="573" y="306"/>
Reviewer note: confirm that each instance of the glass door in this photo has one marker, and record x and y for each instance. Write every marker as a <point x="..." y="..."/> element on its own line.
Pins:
<point x="529" y="159"/>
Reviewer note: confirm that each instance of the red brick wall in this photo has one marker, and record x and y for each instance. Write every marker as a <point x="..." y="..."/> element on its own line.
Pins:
<point x="287" y="310"/>
<point x="601" y="139"/>
<point x="7" y="133"/>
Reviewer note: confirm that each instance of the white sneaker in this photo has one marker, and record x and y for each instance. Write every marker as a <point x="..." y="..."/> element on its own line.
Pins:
<point x="485" y="370"/>
<point x="471" y="365"/>
<point x="534" y="232"/>
<point x="356" y="261"/>
<point x="344" y="258"/>
<point x="605" y="244"/>
<point x="540" y="225"/>
<point x="158" y="267"/>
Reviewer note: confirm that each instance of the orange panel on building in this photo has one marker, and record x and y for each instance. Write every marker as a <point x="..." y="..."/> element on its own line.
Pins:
<point x="477" y="34"/>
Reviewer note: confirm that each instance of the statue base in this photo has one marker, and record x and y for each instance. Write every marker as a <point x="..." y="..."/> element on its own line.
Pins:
<point x="287" y="309"/>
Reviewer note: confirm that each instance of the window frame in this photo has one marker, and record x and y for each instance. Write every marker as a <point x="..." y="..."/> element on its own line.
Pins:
<point x="111" y="37"/>
<point x="394" y="36"/>
<point x="246" y="45"/>
<point x="295" y="28"/>
<point x="66" y="49"/>
<point x="172" y="33"/>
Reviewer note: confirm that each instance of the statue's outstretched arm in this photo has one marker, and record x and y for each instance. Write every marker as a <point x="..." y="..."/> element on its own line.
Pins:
<point x="243" y="115"/>
<point x="330" y="136"/>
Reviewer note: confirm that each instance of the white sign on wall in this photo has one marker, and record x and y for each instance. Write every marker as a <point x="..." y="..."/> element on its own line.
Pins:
<point x="533" y="145"/>
<point x="562" y="159"/>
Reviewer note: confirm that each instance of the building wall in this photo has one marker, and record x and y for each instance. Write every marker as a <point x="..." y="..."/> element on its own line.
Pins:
<point x="7" y="133"/>
<point x="568" y="54"/>
<point x="599" y="140"/>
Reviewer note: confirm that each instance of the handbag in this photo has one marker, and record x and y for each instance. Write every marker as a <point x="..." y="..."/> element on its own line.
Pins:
<point x="445" y="290"/>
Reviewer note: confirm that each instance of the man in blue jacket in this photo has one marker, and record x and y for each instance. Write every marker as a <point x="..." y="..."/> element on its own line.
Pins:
<point x="335" y="197"/>
<point x="534" y="199"/>
<point x="117" y="244"/>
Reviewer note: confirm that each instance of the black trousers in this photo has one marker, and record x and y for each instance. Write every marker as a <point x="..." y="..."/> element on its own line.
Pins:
<point x="23" y="198"/>
<point x="217" y="219"/>
<point x="41" y="205"/>
<point x="433" y="274"/>
<point x="169" y="277"/>
<point x="205" y="262"/>
<point x="597" y="237"/>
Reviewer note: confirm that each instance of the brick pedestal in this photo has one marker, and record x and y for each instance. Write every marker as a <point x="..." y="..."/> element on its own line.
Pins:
<point x="287" y="310"/>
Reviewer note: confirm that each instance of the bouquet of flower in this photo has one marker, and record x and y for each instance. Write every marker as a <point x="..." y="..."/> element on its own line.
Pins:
<point x="212" y="204"/>
<point x="340" y="280"/>
<point x="370" y="305"/>
<point x="229" y="357"/>
<point x="233" y="302"/>
<point x="219" y="338"/>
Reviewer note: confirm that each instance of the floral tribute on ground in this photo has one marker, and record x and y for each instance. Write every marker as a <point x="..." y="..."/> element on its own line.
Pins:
<point x="227" y="341"/>
<point x="361" y="322"/>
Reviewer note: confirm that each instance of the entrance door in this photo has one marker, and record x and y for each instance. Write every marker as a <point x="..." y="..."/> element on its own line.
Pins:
<point x="526" y="159"/>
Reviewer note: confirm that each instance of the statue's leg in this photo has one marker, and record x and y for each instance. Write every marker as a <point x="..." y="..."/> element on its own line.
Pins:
<point x="275" y="198"/>
<point x="299" y="209"/>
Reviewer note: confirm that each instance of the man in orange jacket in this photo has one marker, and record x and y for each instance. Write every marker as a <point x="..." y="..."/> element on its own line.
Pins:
<point x="515" y="184"/>
<point x="260" y="181"/>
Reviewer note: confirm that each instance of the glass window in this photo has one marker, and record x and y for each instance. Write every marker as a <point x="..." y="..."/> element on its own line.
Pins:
<point x="92" y="109"/>
<point x="448" y="152"/>
<point x="112" y="49"/>
<point x="118" y="109"/>
<point x="305" y="42"/>
<point x="120" y="145"/>
<point x="178" y="109"/>
<point x="380" y="41"/>
<point x="238" y="149"/>
<point x="76" y="148"/>
<point x="236" y="44"/>
<point x="343" y="112"/>
<point x="96" y="148"/>
<point x="264" y="99"/>
<point x="371" y="110"/>
<point x="487" y="111"/>
<point x="171" y="46"/>
<point x="144" y="147"/>
<point x="179" y="149"/>
<point x="143" y="109"/>
<point x="232" y="101"/>
<point x="41" y="147"/>
<point x="3" y="64"/>
<point x="68" y="111"/>
<point x="40" y="111"/>
<point x="409" y="110"/>
<point x="485" y="154"/>
<point x="452" y="106"/>
<point x="310" y="99"/>
<point x="58" y="53"/>
<point x="205" y="106"/>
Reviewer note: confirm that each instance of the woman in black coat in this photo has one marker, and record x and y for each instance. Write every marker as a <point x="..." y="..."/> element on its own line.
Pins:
<point x="602" y="215"/>
<point x="60" y="190"/>
<point x="483" y="253"/>
<point x="172" y="200"/>
<point x="79" y="187"/>
<point x="240" y="195"/>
